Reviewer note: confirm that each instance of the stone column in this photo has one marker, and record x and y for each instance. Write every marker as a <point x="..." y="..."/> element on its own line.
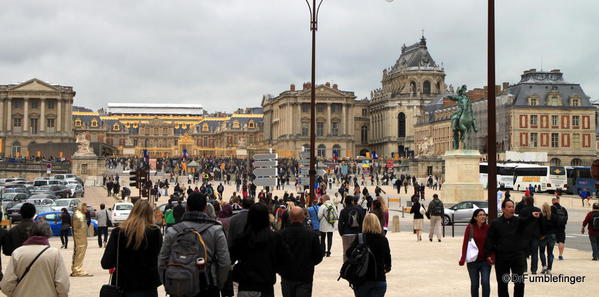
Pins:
<point x="8" y="115"/>
<point x="58" y="123"/>
<point x="69" y="117"/>
<point x="2" y="116"/>
<point x="42" y="115"/>
<point x="343" y="120"/>
<point x="25" y="115"/>
<point x="291" y="119"/>
<point x="329" y="127"/>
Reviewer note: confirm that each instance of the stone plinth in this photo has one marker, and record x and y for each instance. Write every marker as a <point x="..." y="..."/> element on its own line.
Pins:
<point x="89" y="167"/>
<point x="462" y="176"/>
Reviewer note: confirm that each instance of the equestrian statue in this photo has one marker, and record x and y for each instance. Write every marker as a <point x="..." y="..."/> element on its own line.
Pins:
<point x="463" y="122"/>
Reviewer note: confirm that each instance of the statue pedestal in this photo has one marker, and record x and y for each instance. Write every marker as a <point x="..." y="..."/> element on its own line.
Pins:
<point x="89" y="167"/>
<point x="462" y="176"/>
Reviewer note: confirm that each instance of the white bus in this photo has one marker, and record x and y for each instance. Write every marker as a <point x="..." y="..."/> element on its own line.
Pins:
<point x="557" y="178"/>
<point x="532" y="175"/>
<point x="505" y="175"/>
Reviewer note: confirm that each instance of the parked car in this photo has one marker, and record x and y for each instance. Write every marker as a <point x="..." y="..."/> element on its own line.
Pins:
<point x="14" y="213"/>
<point x="57" y="190"/>
<point x="53" y="218"/>
<point x="92" y="211"/>
<point x="16" y="190"/>
<point x="462" y="211"/>
<point x="70" y="204"/>
<point x="41" y="200"/>
<point x="66" y="177"/>
<point x="42" y="181"/>
<point x="120" y="212"/>
<point x="14" y="196"/>
<point x="76" y="188"/>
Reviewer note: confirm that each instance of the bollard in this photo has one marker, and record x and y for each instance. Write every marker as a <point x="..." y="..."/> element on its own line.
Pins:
<point x="395" y="224"/>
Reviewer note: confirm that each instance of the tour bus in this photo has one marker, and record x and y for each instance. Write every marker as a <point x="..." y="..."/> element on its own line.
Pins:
<point x="557" y="178"/>
<point x="535" y="175"/>
<point x="579" y="178"/>
<point x="505" y="175"/>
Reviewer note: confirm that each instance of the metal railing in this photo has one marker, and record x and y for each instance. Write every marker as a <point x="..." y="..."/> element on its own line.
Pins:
<point x="35" y="166"/>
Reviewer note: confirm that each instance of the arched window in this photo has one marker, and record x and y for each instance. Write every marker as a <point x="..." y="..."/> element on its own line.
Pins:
<point x="78" y="123"/>
<point x="402" y="151"/>
<point x="306" y="147"/>
<point x="116" y="127"/>
<point x="555" y="162"/>
<point x="94" y="123"/>
<point x="322" y="150"/>
<point x="438" y="87"/>
<point x="337" y="151"/>
<point x="426" y="87"/>
<point x="251" y="124"/>
<point x="205" y="127"/>
<point x="401" y="125"/>
<point x="576" y="162"/>
<point x="236" y="124"/>
<point x="16" y="149"/>
<point x="413" y="88"/>
<point x="364" y="134"/>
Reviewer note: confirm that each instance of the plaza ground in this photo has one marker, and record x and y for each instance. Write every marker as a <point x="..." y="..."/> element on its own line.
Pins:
<point x="419" y="268"/>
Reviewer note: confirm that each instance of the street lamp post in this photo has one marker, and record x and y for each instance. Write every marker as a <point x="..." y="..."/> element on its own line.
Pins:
<point x="491" y="124"/>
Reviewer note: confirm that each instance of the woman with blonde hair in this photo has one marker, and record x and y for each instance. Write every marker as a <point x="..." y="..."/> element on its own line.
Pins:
<point x="133" y="250"/>
<point x="548" y="239"/>
<point x="385" y="211"/>
<point x="375" y="284"/>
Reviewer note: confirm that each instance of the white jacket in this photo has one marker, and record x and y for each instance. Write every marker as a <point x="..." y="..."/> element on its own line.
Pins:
<point x="48" y="276"/>
<point x="325" y="226"/>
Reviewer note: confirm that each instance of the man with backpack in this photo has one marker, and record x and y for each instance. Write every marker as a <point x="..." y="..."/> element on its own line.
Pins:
<point x="328" y="217"/>
<point x="206" y="271"/>
<point x="350" y="223"/>
<point x="435" y="212"/>
<point x="298" y="273"/>
<point x="561" y="215"/>
<point x="592" y="220"/>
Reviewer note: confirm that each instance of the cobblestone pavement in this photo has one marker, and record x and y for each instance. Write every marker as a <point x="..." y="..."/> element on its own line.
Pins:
<point x="419" y="268"/>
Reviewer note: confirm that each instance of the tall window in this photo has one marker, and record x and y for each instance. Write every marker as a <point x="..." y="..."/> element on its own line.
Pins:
<point x="534" y="138"/>
<point x="364" y="134"/>
<point x="322" y="150"/>
<point x="575" y="102"/>
<point x="413" y="88"/>
<point x="555" y="162"/>
<point x="334" y="128"/>
<point x="319" y="107"/>
<point x="337" y="150"/>
<point x="426" y="87"/>
<point x="50" y="123"/>
<point x="34" y="104"/>
<point x="319" y="129"/>
<point x="16" y="148"/>
<point x="305" y="128"/>
<point x="533" y="120"/>
<point x="51" y="104"/>
<point x="554" y="120"/>
<point x="33" y="125"/>
<point x="575" y="121"/>
<point x="401" y="125"/>
<point x="576" y="140"/>
<point x="94" y="123"/>
<point x="305" y="107"/>
<point x="306" y="147"/>
<point x="554" y="100"/>
<point x="532" y="101"/>
<point x="576" y="162"/>
<point x="364" y="112"/>
<point x="17" y="122"/>
<point x="554" y="139"/>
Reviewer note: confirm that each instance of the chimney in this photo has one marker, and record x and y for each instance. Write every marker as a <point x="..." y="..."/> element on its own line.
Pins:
<point x="304" y="86"/>
<point x="335" y="86"/>
<point x="328" y="84"/>
<point x="292" y="87"/>
<point x="505" y="85"/>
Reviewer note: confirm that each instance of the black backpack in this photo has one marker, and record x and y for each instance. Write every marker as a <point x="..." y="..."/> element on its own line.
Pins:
<point x="437" y="210"/>
<point x="595" y="221"/>
<point x="561" y="216"/>
<point x="187" y="272"/>
<point x="354" y="270"/>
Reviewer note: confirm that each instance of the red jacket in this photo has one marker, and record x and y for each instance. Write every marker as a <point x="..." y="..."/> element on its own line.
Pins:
<point x="587" y="221"/>
<point x="480" y="238"/>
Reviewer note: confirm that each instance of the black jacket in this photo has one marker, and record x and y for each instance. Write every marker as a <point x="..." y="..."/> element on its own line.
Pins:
<point x="507" y="238"/>
<point x="554" y="209"/>
<point x="416" y="211"/>
<point x="548" y="226"/>
<point x="16" y="236"/>
<point x="306" y="252"/>
<point x="178" y="212"/>
<point x="138" y="269"/>
<point x="379" y="246"/>
<point x="344" y="220"/>
<point x="533" y="229"/>
<point x="236" y="226"/>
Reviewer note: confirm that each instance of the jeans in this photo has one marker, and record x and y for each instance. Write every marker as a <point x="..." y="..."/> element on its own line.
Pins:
<point x="64" y="236"/>
<point x="295" y="288"/>
<point x="102" y="231"/>
<point x="371" y="289"/>
<point x="141" y="293"/>
<point x="479" y="272"/>
<point x="533" y="247"/>
<point x="595" y="245"/>
<point x="329" y="237"/>
<point x="547" y="243"/>
<point x="516" y="265"/>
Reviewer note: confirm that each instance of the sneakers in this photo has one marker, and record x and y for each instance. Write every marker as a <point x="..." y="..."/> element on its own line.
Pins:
<point x="560" y="258"/>
<point x="544" y="270"/>
<point x="430" y="239"/>
<point x="594" y="259"/>
<point x="439" y="240"/>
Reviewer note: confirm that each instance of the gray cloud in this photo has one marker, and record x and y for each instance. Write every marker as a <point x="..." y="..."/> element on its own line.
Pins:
<point x="225" y="54"/>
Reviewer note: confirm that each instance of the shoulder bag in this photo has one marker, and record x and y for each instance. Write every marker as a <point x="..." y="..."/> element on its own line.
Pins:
<point x="472" y="251"/>
<point x="108" y="290"/>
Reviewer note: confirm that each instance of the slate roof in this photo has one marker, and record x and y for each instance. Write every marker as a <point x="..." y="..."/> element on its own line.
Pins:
<point x="414" y="56"/>
<point x="541" y="84"/>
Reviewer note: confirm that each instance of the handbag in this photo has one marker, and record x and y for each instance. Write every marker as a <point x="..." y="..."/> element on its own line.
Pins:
<point x="422" y="210"/>
<point x="472" y="251"/>
<point x="108" y="290"/>
<point x="108" y="220"/>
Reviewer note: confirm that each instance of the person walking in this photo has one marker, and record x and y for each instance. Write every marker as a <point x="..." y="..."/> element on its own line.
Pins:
<point x="378" y="211"/>
<point x="385" y="210"/>
<point x="313" y="216"/>
<point x="65" y="227"/>
<point x="418" y="217"/>
<point x="102" y="218"/>
<point x="561" y="216"/>
<point x="238" y="221"/>
<point x="178" y="211"/>
<point x="48" y="275"/>
<point x="547" y="242"/>
<point x="507" y="241"/>
<point x="304" y="246"/>
<point x="592" y="221"/>
<point x="350" y="223"/>
<point x="479" y="269"/>
<point x="375" y="283"/>
<point x="18" y="234"/>
<point x="435" y="211"/>
<point x="260" y="253"/>
<point x="532" y="232"/>
<point x="133" y="250"/>
<point x="328" y="216"/>
<point x="213" y="236"/>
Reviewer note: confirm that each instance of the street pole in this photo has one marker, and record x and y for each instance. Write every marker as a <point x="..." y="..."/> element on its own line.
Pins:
<point x="491" y="124"/>
<point x="313" y="28"/>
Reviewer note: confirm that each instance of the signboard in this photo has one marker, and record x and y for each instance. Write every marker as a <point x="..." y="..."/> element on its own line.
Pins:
<point x="263" y="157"/>
<point x="265" y="169"/>
<point x="265" y="172"/>
<point x="265" y="163"/>
<point x="535" y="179"/>
<point x="266" y="181"/>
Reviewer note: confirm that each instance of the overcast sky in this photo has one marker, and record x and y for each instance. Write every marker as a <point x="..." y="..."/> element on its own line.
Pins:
<point x="226" y="54"/>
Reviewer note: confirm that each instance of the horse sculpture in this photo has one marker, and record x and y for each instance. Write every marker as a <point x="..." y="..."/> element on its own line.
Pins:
<point x="462" y="121"/>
